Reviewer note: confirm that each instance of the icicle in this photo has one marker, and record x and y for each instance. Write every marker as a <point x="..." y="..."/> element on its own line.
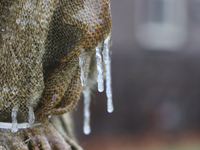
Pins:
<point x="99" y="68"/>
<point x="107" y="62"/>
<point x="14" y="119"/>
<point x="86" y="123"/>
<point x="82" y="66"/>
<point x="31" y="118"/>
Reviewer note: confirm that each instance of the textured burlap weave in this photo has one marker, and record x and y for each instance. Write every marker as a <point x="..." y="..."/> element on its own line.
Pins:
<point x="40" y="44"/>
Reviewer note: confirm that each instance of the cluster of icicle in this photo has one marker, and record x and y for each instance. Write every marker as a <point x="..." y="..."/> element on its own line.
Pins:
<point x="14" y="126"/>
<point x="102" y="54"/>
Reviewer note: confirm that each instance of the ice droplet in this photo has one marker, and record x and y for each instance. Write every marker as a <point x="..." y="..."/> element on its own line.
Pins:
<point x="5" y="88"/>
<point x="82" y="66"/>
<point x="100" y="80"/>
<point x="14" y="128"/>
<point x="31" y="116"/>
<point x="107" y="62"/>
<point x="55" y="96"/>
<point x="86" y="123"/>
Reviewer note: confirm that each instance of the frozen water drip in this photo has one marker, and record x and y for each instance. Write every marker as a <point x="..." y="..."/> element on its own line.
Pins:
<point x="86" y="123"/>
<point x="82" y="66"/>
<point x="107" y="63"/>
<point x="14" y="128"/>
<point x="31" y="118"/>
<point x="99" y="62"/>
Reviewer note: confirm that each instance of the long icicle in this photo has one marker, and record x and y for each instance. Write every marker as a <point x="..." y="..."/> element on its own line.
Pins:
<point x="107" y="62"/>
<point x="86" y="123"/>
<point x="82" y="66"/>
<point x="14" y="128"/>
<point x="99" y="61"/>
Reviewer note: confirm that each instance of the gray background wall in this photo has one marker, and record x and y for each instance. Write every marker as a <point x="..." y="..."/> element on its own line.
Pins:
<point x="153" y="91"/>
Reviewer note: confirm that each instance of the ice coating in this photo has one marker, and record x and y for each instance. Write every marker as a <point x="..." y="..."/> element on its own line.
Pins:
<point x="31" y="118"/>
<point x="32" y="55"/>
<point x="107" y="63"/>
<point x="100" y="80"/>
<point x="6" y="125"/>
<point x="14" y="128"/>
<point x="86" y="123"/>
<point x="82" y="66"/>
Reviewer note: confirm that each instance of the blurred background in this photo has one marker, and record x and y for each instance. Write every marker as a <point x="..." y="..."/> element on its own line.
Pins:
<point x="155" y="79"/>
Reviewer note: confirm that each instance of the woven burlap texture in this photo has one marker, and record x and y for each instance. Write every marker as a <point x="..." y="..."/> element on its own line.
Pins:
<point x="40" y="44"/>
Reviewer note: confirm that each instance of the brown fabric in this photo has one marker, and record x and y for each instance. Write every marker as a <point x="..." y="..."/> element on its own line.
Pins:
<point x="40" y="44"/>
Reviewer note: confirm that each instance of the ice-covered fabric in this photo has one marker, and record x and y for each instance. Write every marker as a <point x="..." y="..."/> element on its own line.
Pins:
<point x="46" y="52"/>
